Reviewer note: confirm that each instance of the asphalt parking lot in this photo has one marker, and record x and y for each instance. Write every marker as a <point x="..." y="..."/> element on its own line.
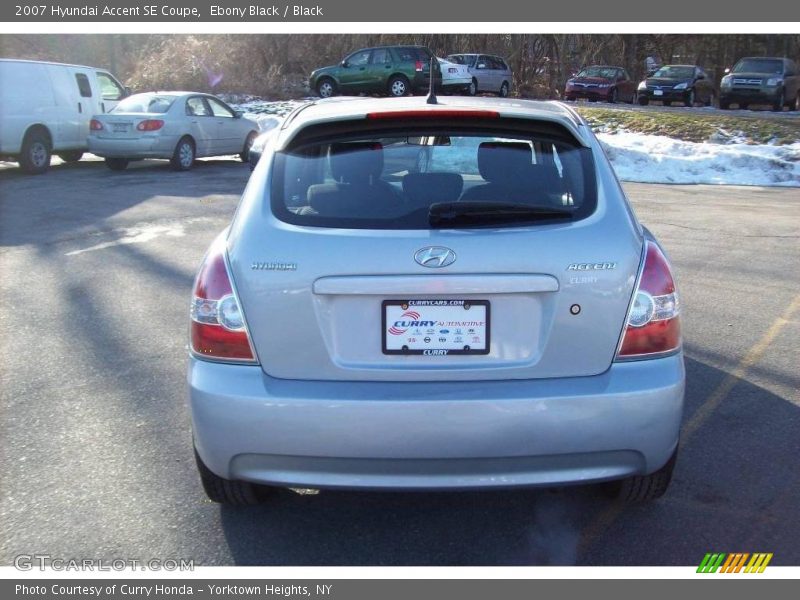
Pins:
<point x="95" y="447"/>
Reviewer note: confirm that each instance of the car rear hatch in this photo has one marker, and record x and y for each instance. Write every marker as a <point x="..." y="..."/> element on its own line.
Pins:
<point x="335" y="289"/>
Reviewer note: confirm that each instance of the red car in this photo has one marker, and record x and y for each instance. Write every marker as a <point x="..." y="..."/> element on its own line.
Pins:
<point x="609" y="84"/>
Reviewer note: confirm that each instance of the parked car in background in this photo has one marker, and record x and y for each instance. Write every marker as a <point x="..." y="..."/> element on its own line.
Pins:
<point x="179" y="126"/>
<point x="601" y="82"/>
<point x="496" y="319"/>
<point x="456" y="78"/>
<point x="46" y="108"/>
<point x="761" y="80"/>
<point x="688" y="84"/>
<point x="489" y="73"/>
<point x="392" y="70"/>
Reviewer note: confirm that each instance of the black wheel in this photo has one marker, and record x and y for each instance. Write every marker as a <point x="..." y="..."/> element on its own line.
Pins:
<point x="35" y="155"/>
<point x="504" y="90"/>
<point x="117" y="164"/>
<point x="643" y="100"/>
<point x="398" y="86"/>
<point x="225" y="491"/>
<point x="570" y="98"/>
<point x="71" y="155"/>
<point x="244" y="156"/>
<point x="744" y="105"/>
<point x="473" y="88"/>
<point x="183" y="157"/>
<point x="710" y="99"/>
<point x="666" y="102"/>
<point x="724" y="104"/>
<point x="326" y="87"/>
<point x="689" y="101"/>
<point x="613" y="96"/>
<point x="643" y="488"/>
<point x="777" y="106"/>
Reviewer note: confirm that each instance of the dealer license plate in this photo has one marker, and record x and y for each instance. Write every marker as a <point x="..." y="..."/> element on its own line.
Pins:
<point x="436" y="327"/>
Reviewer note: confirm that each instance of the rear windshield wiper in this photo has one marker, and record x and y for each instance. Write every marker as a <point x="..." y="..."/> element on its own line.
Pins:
<point x="464" y="214"/>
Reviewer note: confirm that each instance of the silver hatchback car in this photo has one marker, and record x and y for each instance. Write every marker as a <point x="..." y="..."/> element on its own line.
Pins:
<point x="497" y="319"/>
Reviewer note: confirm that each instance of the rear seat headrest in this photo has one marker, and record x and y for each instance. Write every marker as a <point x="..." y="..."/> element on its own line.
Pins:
<point x="498" y="160"/>
<point x="356" y="162"/>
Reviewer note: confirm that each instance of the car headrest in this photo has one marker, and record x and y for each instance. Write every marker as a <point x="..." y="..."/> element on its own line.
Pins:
<point x="356" y="162"/>
<point x="429" y="188"/>
<point x="499" y="160"/>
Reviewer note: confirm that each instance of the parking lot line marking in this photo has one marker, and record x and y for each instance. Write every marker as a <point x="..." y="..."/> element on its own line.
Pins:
<point x="607" y="517"/>
<point x="753" y="355"/>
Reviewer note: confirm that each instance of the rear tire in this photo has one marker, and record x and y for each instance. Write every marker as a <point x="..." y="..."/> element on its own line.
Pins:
<point x="504" y="90"/>
<point x="224" y="491"/>
<point x="71" y="155"/>
<point x="644" y="488"/>
<point x="117" y="164"/>
<point x="398" y="86"/>
<point x="612" y="97"/>
<point x="666" y="102"/>
<point x="724" y="104"/>
<point x="35" y="156"/>
<point x="183" y="157"/>
<point x="244" y="156"/>
<point x="643" y="100"/>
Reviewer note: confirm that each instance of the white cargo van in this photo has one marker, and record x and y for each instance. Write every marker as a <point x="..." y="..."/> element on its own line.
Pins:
<point x="45" y="109"/>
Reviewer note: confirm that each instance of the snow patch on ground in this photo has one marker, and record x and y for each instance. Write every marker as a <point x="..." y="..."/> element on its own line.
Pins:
<point x="659" y="159"/>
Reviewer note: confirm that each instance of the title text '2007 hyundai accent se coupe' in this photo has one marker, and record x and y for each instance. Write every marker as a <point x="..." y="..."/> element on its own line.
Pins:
<point x="496" y="319"/>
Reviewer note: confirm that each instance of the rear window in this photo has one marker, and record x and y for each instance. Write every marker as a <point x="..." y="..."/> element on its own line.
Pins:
<point x="145" y="103"/>
<point x="396" y="181"/>
<point x="462" y="59"/>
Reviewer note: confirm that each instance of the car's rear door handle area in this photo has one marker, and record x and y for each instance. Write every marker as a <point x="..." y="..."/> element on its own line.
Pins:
<point x="383" y="285"/>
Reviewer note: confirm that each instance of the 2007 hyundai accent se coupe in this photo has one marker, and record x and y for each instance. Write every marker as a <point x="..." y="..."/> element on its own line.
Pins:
<point x="494" y="317"/>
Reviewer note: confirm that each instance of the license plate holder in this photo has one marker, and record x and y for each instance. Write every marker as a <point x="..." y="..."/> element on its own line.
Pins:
<point x="446" y="327"/>
<point x="119" y="127"/>
<point x="658" y="92"/>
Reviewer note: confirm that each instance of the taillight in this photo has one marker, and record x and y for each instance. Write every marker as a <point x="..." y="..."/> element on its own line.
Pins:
<point x="150" y="125"/>
<point x="418" y="66"/>
<point x="653" y="325"/>
<point x="95" y="125"/>
<point x="218" y="329"/>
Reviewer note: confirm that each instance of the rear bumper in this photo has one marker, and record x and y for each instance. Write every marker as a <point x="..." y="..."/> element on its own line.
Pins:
<point x="144" y="147"/>
<point x="452" y="435"/>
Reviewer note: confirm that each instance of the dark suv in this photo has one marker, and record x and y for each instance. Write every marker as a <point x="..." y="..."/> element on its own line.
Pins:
<point x="392" y="70"/>
<point x="761" y="80"/>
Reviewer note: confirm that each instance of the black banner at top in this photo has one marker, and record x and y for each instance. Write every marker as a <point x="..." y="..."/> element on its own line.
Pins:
<point x="466" y="11"/>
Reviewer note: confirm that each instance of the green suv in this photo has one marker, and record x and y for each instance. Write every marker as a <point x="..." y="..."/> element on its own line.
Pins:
<point x="392" y="70"/>
<point x="761" y="80"/>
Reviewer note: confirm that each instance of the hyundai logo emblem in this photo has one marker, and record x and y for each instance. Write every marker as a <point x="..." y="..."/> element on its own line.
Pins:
<point x="435" y="257"/>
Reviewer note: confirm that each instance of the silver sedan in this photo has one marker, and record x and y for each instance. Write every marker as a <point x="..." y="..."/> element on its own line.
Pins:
<point x="179" y="126"/>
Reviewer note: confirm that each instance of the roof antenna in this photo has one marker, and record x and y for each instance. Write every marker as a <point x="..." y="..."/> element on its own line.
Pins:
<point x="432" y="92"/>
